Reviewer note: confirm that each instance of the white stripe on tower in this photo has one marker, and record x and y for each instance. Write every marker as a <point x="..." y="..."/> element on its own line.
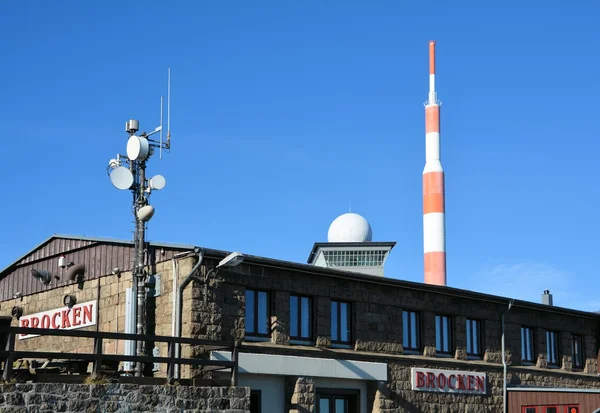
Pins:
<point x="434" y="236"/>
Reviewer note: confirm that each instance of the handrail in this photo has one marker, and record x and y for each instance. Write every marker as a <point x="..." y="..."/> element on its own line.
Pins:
<point x="8" y="355"/>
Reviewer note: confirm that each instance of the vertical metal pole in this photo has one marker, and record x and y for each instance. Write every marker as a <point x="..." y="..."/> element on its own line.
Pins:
<point x="139" y="265"/>
<point x="504" y="407"/>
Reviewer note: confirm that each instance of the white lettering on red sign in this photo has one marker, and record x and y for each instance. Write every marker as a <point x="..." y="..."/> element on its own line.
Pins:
<point x="448" y="381"/>
<point x="65" y="318"/>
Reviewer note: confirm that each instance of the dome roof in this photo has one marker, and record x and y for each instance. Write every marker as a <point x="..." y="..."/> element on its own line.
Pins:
<point x="349" y="227"/>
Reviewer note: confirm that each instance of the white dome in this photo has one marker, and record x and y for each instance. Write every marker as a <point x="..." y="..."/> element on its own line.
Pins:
<point x="349" y="227"/>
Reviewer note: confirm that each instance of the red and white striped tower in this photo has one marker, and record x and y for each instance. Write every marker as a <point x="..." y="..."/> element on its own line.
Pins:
<point x="434" y="234"/>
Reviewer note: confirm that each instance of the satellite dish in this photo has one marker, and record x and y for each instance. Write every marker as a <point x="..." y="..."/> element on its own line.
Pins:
<point x="145" y="213"/>
<point x="138" y="148"/>
<point x="121" y="178"/>
<point x="158" y="182"/>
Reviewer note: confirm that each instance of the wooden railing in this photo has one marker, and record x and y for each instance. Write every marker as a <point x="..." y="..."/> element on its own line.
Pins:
<point x="9" y="355"/>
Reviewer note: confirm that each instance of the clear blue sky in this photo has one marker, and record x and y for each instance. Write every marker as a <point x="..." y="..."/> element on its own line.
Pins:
<point x="284" y="112"/>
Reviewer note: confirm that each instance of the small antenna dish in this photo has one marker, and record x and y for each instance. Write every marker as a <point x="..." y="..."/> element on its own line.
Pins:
<point x="157" y="182"/>
<point x="138" y="148"/>
<point x="121" y="178"/>
<point x="145" y="213"/>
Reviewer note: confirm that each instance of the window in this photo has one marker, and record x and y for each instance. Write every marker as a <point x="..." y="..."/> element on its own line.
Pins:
<point x="410" y="330"/>
<point x="552" y="348"/>
<point x="551" y="409"/>
<point x="340" y="322"/>
<point x="473" y="338"/>
<point x="529" y="410"/>
<point x="255" y="401"/>
<point x="577" y="351"/>
<point x="301" y="316"/>
<point x="527" y="349"/>
<point x="355" y="258"/>
<point x="257" y="313"/>
<point x="443" y="334"/>
<point x="337" y="401"/>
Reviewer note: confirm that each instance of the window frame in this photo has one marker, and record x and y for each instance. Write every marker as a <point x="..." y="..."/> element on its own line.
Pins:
<point x="474" y="340"/>
<point x="450" y="335"/>
<point x="258" y="393"/>
<point x="525" y="360"/>
<point x="416" y="348"/>
<point x="311" y="318"/>
<point x="581" y="364"/>
<point x="255" y="333"/>
<point x="339" y="328"/>
<point x="556" y="348"/>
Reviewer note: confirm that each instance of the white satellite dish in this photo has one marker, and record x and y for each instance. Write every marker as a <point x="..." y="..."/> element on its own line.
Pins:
<point x="145" y="213"/>
<point x="138" y="148"/>
<point x="121" y="178"/>
<point x="157" y="182"/>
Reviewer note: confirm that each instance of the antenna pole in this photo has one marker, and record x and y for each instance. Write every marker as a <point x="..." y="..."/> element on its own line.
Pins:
<point x="161" y="128"/>
<point x="169" y="109"/>
<point x="140" y="237"/>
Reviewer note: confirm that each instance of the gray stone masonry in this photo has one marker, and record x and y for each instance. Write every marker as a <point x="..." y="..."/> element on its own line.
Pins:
<point x="120" y="398"/>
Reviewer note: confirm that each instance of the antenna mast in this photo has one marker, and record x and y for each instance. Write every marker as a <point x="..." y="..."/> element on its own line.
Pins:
<point x="133" y="177"/>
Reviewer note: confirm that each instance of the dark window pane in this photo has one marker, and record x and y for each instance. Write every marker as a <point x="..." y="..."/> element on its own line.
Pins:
<point x="293" y="316"/>
<point x="250" y="320"/>
<point x="334" y="321"/>
<point x="324" y="405"/>
<point x="344" y="323"/>
<point x="414" y="326"/>
<point x="263" y="307"/>
<point x="306" y="318"/>
<point x="405" y="329"/>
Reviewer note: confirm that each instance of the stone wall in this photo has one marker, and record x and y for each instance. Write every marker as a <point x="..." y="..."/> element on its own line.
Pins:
<point x="111" y="305"/>
<point x="22" y="398"/>
<point x="377" y="315"/>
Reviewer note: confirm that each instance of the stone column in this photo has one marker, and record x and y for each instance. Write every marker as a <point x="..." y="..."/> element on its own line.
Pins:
<point x="303" y="399"/>
<point x="590" y="355"/>
<point x="428" y="325"/>
<point x="540" y="347"/>
<point x="564" y="345"/>
<point x="280" y="318"/>
<point x="323" y="322"/>
<point x="492" y="339"/>
<point x="460" y="338"/>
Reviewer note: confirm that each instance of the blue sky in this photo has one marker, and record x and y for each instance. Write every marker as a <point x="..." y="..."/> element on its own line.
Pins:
<point x="284" y="112"/>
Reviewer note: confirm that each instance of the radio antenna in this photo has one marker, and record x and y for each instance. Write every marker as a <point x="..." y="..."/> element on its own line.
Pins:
<point x="161" y="127"/>
<point x="168" y="145"/>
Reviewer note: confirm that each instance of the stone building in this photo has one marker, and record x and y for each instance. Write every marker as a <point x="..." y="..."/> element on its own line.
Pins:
<point x="333" y="335"/>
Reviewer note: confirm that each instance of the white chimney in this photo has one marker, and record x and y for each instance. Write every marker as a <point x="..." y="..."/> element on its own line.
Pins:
<point x="547" y="297"/>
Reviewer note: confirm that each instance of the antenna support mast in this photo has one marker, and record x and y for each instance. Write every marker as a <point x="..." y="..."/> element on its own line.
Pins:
<point x="133" y="177"/>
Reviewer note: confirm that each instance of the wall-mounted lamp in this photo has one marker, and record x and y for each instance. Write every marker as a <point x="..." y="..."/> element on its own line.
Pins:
<point x="16" y="312"/>
<point x="44" y="276"/>
<point x="69" y="300"/>
<point x="76" y="273"/>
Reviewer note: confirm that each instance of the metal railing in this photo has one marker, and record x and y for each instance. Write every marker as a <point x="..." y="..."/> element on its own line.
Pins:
<point x="9" y="355"/>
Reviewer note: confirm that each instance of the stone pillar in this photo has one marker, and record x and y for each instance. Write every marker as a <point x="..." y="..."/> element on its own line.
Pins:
<point x="303" y="399"/>
<point x="280" y="318"/>
<point x="492" y="340"/>
<point x="564" y="345"/>
<point x="590" y="355"/>
<point x="540" y="346"/>
<point x="460" y="338"/>
<point x="323" y="322"/>
<point x="428" y="324"/>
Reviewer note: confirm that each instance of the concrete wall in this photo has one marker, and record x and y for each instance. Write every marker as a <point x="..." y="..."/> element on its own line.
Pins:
<point x="122" y="398"/>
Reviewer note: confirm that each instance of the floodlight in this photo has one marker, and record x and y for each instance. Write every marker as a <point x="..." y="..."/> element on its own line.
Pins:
<point x="157" y="182"/>
<point x="145" y="213"/>
<point x="75" y="272"/>
<point x="138" y="148"/>
<point x="44" y="276"/>
<point x="232" y="260"/>
<point x="16" y="312"/>
<point x="121" y="178"/>
<point x="69" y="300"/>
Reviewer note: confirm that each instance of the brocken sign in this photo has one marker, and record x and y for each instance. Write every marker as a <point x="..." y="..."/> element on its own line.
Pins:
<point x="65" y="318"/>
<point x="448" y="381"/>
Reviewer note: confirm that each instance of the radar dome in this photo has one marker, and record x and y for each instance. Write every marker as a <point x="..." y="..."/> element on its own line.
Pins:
<point x="349" y="227"/>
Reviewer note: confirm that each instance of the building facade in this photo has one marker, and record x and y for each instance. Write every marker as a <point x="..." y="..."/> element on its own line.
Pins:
<point x="320" y="338"/>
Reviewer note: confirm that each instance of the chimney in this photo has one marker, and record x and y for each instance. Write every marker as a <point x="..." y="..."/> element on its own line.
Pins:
<point x="547" y="297"/>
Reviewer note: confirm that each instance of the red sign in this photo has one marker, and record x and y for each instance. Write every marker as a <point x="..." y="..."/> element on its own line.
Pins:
<point x="448" y="381"/>
<point x="65" y="318"/>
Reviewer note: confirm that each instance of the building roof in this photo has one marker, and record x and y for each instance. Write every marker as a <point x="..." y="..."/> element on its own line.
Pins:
<point x="332" y="272"/>
<point x="313" y="253"/>
<point x="104" y="240"/>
